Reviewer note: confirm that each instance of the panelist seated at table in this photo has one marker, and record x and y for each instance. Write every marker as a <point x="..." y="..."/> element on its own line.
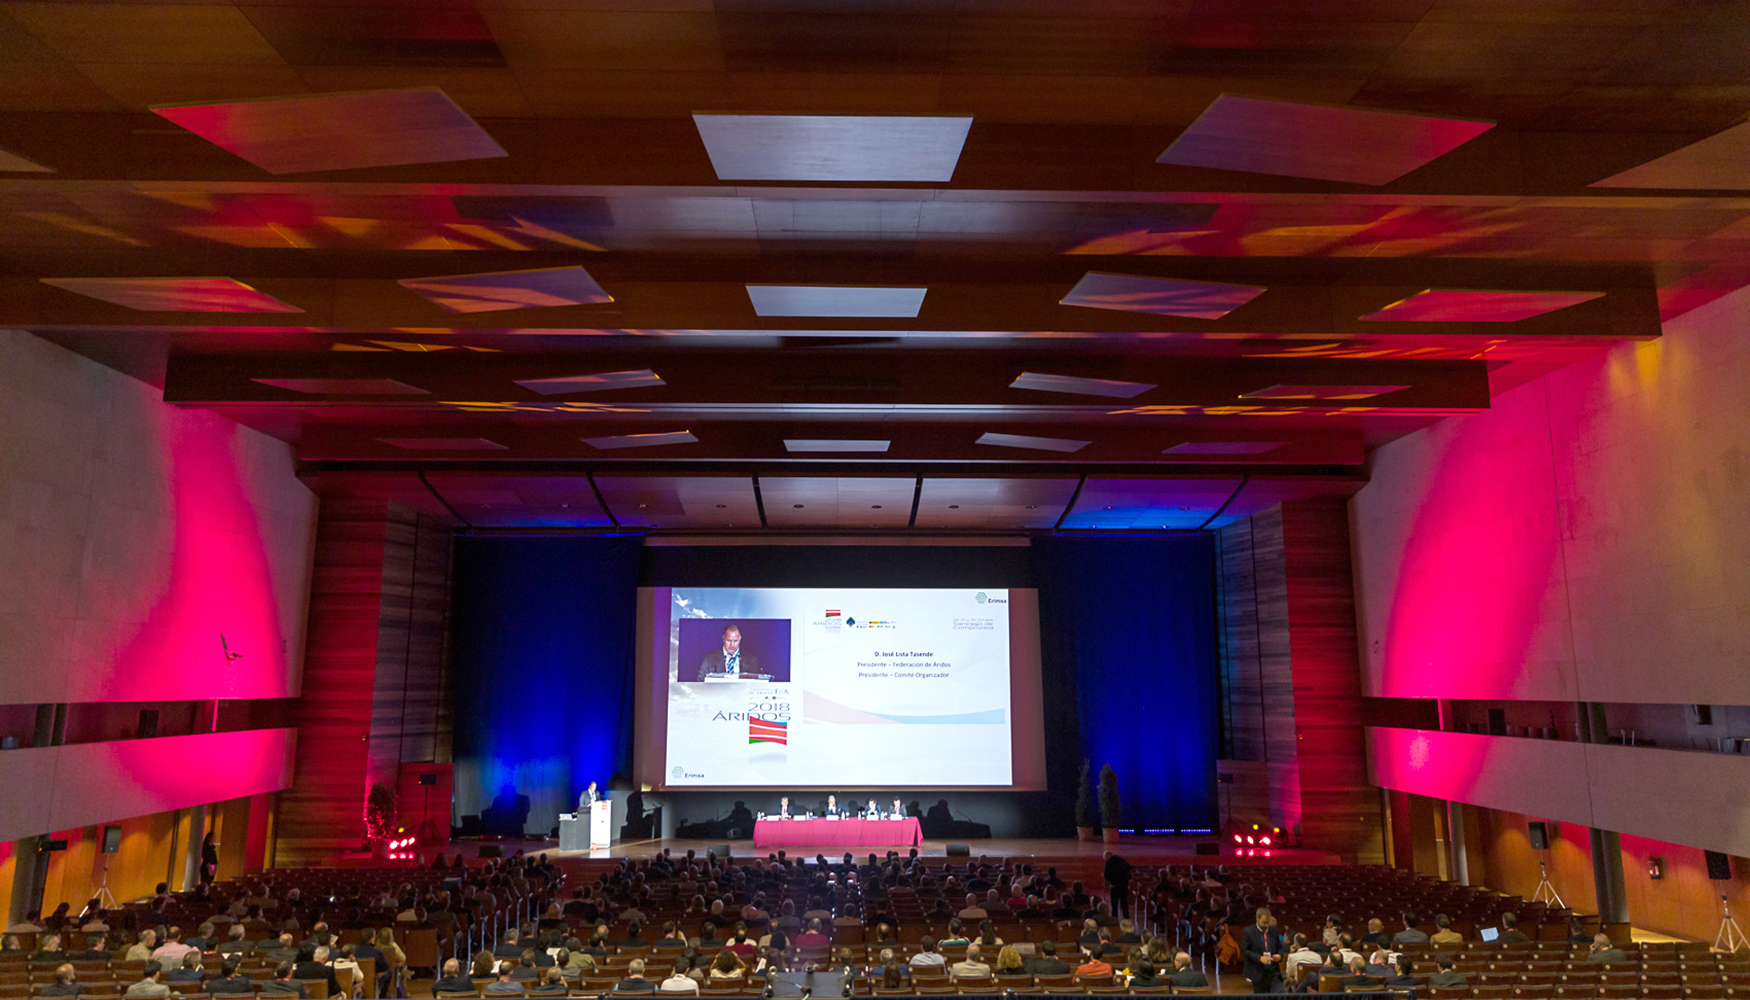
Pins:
<point x="872" y="810"/>
<point x="783" y="809"/>
<point x="730" y="660"/>
<point x="833" y="809"/>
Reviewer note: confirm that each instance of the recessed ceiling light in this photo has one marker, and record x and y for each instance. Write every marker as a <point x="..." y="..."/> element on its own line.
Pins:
<point x="564" y="505"/>
<point x="874" y="506"/>
<point x="640" y="506"/>
<point x="797" y="506"/>
<point x="1032" y="506"/>
<point x="721" y="506"/>
<point x="953" y="506"/>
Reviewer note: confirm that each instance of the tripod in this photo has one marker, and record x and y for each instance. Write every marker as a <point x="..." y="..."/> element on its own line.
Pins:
<point x="103" y="894"/>
<point x="1730" y="938"/>
<point x="1546" y="893"/>
<point x="426" y="833"/>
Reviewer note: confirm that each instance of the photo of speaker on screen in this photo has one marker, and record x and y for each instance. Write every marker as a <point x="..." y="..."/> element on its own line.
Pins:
<point x="715" y="650"/>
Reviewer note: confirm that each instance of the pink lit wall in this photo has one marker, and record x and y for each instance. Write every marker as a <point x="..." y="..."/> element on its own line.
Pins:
<point x="133" y="533"/>
<point x="85" y="784"/>
<point x="1584" y="539"/>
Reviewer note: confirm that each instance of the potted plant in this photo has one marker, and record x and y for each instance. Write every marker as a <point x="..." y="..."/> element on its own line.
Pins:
<point x="379" y="818"/>
<point x="1084" y="806"/>
<point x="1111" y="809"/>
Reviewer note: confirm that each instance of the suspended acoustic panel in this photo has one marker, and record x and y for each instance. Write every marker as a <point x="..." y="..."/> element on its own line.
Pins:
<point x="642" y="377"/>
<point x="1161" y="296"/>
<point x="1080" y="386"/>
<point x="833" y="147"/>
<point x="1439" y="305"/>
<point x="1320" y="141"/>
<point x="1718" y="163"/>
<point x="373" y="128"/>
<point x="175" y="294"/>
<point x="492" y="291"/>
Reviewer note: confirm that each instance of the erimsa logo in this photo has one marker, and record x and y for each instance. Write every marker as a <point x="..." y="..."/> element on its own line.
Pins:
<point x="678" y="771"/>
<point x="983" y="598"/>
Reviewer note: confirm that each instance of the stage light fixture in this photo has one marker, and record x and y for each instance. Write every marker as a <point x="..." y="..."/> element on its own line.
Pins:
<point x="1265" y="841"/>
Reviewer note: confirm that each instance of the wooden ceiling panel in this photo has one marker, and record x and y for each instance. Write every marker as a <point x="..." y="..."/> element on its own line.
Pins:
<point x="601" y="40"/>
<point x="145" y="33"/>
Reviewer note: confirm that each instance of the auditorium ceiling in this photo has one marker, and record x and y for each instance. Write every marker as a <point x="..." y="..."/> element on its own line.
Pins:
<point x="703" y="265"/>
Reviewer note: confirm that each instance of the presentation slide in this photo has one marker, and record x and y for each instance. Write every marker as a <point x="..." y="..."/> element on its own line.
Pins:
<point x="786" y="687"/>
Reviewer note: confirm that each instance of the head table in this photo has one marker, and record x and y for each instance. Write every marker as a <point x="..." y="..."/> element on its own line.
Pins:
<point x="838" y="833"/>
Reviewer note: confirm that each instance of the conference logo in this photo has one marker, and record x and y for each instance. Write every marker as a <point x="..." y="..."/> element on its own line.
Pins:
<point x="767" y="731"/>
<point x="832" y="614"/>
<point x="678" y="771"/>
<point x="980" y="597"/>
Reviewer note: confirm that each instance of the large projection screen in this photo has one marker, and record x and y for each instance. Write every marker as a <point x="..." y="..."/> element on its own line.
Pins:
<point x="839" y="688"/>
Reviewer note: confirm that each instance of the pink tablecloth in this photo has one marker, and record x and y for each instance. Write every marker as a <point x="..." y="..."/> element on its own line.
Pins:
<point x="838" y="833"/>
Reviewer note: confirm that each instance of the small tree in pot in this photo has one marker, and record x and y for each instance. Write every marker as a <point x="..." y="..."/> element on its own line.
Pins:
<point x="1111" y="809"/>
<point x="1084" y="806"/>
<point x="380" y="818"/>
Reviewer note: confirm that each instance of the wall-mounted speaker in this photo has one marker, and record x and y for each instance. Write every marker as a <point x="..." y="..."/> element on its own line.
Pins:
<point x="112" y="839"/>
<point x="960" y="850"/>
<point x="148" y="728"/>
<point x="428" y="779"/>
<point x="1540" y="836"/>
<point x="1719" y="866"/>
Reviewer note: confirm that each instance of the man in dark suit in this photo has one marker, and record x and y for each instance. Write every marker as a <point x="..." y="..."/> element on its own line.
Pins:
<point x="65" y="985"/>
<point x="1603" y="952"/>
<point x="635" y="981"/>
<point x="314" y="965"/>
<point x="588" y="798"/>
<point x="1183" y="974"/>
<point x="1358" y="977"/>
<point x="1404" y="978"/>
<point x="229" y="980"/>
<point x="508" y="948"/>
<point x="233" y="941"/>
<point x="284" y="982"/>
<point x="1261" y="945"/>
<point x="1118" y="881"/>
<point x="1047" y="963"/>
<point x="1447" y="978"/>
<point x="832" y="806"/>
<point x="452" y="981"/>
<point x="189" y="971"/>
<point x="730" y="658"/>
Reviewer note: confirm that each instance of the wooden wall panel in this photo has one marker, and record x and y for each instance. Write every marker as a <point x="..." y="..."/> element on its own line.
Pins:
<point x="1257" y="668"/>
<point x="1242" y="707"/>
<point x="1339" y="809"/>
<point x="375" y="673"/>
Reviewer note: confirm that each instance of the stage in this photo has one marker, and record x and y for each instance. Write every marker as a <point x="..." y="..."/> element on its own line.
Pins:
<point x="1163" y="850"/>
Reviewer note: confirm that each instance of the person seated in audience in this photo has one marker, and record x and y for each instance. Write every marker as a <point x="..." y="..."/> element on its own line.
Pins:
<point x="1443" y="933"/>
<point x="551" y="984"/>
<point x="229" y="979"/>
<point x="1410" y="934"/>
<point x="972" y="911"/>
<point x="96" y="950"/>
<point x="189" y="971"/>
<point x="523" y="969"/>
<point x="884" y="934"/>
<point x="927" y="955"/>
<point x="708" y="936"/>
<point x="973" y="964"/>
<point x="452" y="980"/>
<point x="49" y="950"/>
<point x="1446" y="977"/>
<point x="1404" y="976"/>
<point x="284" y="982"/>
<point x="484" y="966"/>
<point x="1357" y="977"/>
<point x="1577" y="931"/>
<point x="740" y="944"/>
<point x="956" y="933"/>
<point x="1143" y="976"/>
<point x="233" y="941"/>
<point x="283" y="949"/>
<point x="987" y="935"/>
<point x="635" y="981"/>
<point x="170" y="952"/>
<point x="508" y="948"/>
<point x="1046" y="962"/>
<point x="679" y="981"/>
<point x="1011" y="964"/>
<point x="671" y="938"/>
<point x="1345" y="951"/>
<point x="892" y="977"/>
<point x="1092" y="963"/>
<point x="503" y="984"/>
<point x="203" y="939"/>
<point x="91" y="918"/>
<point x="1603" y="952"/>
<point x="728" y="965"/>
<point x="314" y="965"/>
<point x="812" y="939"/>
<point x="1380" y="964"/>
<point x="1376" y="935"/>
<point x="152" y="982"/>
<point x="1183" y="974"/>
<point x="1510" y="932"/>
<point x="1300" y="957"/>
<point x="66" y="982"/>
<point x="1127" y="932"/>
<point x="139" y="952"/>
<point x="771" y="960"/>
<point x="29" y="925"/>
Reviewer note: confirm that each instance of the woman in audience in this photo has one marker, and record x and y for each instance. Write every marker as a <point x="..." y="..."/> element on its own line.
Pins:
<point x="987" y="935"/>
<point x="484" y="966"/>
<point x="1143" y="975"/>
<point x="1010" y="963"/>
<point x="727" y="966"/>
<point x="956" y="933"/>
<point x="891" y="976"/>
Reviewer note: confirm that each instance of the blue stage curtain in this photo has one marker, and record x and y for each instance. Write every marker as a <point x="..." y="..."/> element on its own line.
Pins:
<point x="543" y="631"/>
<point x="1130" y="672"/>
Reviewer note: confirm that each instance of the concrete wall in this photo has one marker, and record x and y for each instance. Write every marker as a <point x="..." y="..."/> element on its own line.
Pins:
<point x="1584" y="539"/>
<point x="132" y="533"/>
